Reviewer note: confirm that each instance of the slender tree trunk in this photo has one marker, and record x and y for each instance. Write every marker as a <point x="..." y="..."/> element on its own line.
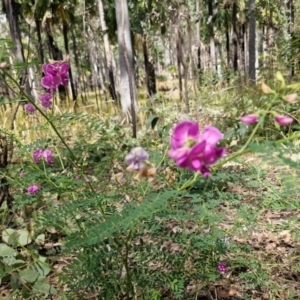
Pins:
<point x="227" y="38"/>
<point x="39" y="36"/>
<point x="66" y="42"/>
<point x="108" y="56"/>
<point x="291" y="31"/>
<point x="75" y="53"/>
<point x="179" y="55"/>
<point x="235" y="37"/>
<point x="252" y="44"/>
<point x="149" y="70"/>
<point x="219" y="60"/>
<point x="245" y="39"/>
<point x="198" y="41"/>
<point x="127" y="80"/>
<point x="15" y="33"/>
<point x="212" y="36"/>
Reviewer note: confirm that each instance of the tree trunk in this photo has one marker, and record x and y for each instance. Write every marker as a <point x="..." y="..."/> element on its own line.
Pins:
<point x="291" y="31"/>
<point x="127" y="80"/>
<point x="211" y="36"/>
<point x="39" y="36"/>
<point x="244" y="47"/>
<point x="66" y="42"/>
<point x="198" y="41"/>
<point x="179" y="55"/>
<point x="252" y="46"/>
<point x="11" y="10"/>
<point x="227" y="38"/>
<point x="108" y="56"/>
<point x="149" y="70"/>
<point x="235" y="37"/>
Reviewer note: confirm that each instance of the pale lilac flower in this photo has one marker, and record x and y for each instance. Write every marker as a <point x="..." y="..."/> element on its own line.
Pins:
<point x="249" y="119"/>
<point x="30" y="108"/>
<point x="136" y="158"/>
<point x="22" y="173"/>
<point x="284" y="120"/>
<point x="47" y="154"/>
<point x="33" y="189"/>
<point x="222" y="268"/>
<point x="194" y="151"/>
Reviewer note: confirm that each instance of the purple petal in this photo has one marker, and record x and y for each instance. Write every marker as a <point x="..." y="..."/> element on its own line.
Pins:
<point x="36" y="155"/>
<point x="136" y="157"/>
<point x="182" y="131"/>
<point x="29" y="107"/>
<point x="211" y="135"/>
<point x="64" y="68"/>
<point x="205" y="171"/>
<point x="46" y="97"/>
<point x="179" y="153"/>
<point x="47" y="154"/>
<point x="46" y="81"/>
<point x="33" y="189"/>
<point x="52" y="69"/>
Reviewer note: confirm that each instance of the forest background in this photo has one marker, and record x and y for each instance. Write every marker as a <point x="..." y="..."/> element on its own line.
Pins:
<point x="88" y="87"/>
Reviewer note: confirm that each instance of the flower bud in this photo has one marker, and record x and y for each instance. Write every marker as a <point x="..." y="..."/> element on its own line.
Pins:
<point x="280" y="78"/>
<point x="293" y="87"/>
<point x="266" y="89"/>
<point x="291" y="98"/>
<point x="249" y="119"/>
<point x="283" y="120"/>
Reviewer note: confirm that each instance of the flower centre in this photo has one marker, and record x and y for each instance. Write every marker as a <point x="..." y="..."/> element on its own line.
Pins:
<point x="190" y="142"/>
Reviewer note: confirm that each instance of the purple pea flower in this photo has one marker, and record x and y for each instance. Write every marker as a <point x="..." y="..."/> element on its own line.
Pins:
<point x="46" y="100"/>
<point x="222" y="268"/>
<point x="136" y="157"/>
<point x="194" y="151"/>
<point x="55" y="74"/>
<point x="29" y="108"/>
<point x="50" y="82"/>
<point x="37" y="154"/>
<point x="32" y="189"/>
<point x="47" y="154"/>
<point x="284" y="120"/>
<point x="249" y="119"/>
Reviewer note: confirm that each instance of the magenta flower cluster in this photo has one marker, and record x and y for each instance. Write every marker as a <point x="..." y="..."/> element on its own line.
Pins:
<point x="222" y="268"/>
<point x="37" y="155"/>
<point x="281" y="120"/>
<point x="55" y="74"/>
<point x="29" y="108"/>
<point x="193" y="150"/>
<point x="33" y="189"/>
<point x="46" y="154"/>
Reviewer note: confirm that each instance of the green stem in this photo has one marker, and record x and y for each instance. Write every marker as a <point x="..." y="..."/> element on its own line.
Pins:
<point x="243" y="150"/>
<point x="189" y="183"/>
